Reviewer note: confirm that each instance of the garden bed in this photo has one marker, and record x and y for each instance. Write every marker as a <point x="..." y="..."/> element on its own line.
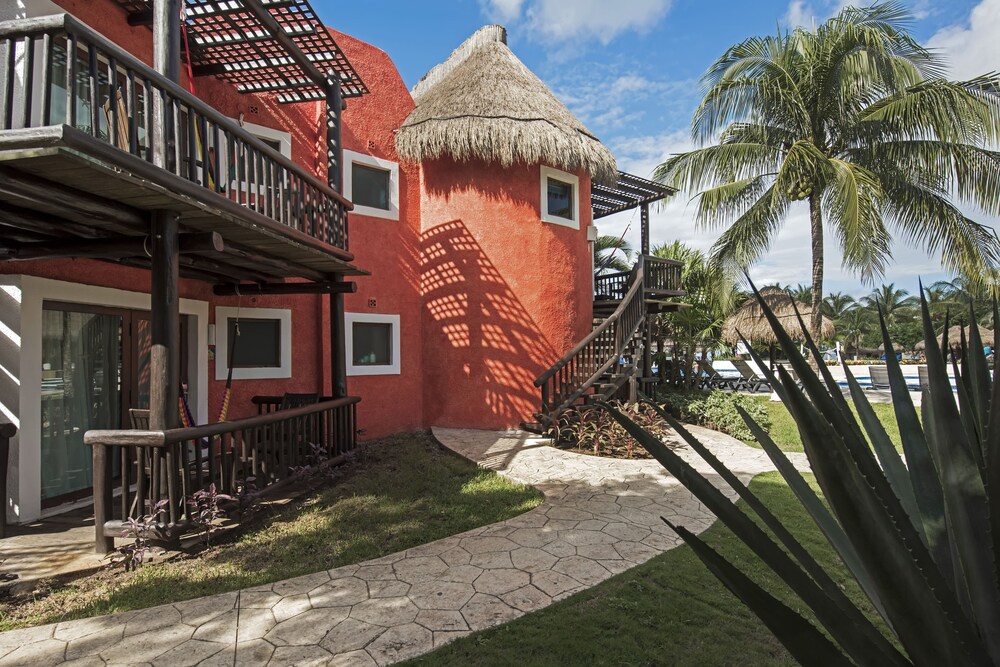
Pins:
<point x="391" y="495"/>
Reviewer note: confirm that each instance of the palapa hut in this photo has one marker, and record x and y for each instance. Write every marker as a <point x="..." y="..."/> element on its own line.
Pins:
<point x="955" y="334"/>
<point x="483" y="104"/>
<point x="749" y="319"/>
<point x="505" y="207"/>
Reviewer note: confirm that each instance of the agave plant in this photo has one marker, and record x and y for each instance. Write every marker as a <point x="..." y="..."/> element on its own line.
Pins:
<point x="919" y="532"/>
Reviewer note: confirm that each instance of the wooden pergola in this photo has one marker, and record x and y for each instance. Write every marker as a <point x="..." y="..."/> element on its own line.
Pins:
<point x="628" y="193"/>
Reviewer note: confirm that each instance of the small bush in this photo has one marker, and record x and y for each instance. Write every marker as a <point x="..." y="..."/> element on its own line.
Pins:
<point x="715" y="410"/>
<point x="592" y="429"/>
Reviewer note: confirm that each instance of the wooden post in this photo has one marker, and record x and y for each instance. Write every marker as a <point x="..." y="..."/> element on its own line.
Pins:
<point x="166" y="61"/>
<point x="102" y="499"/>
<point x="644" y="228"/>
<point x="164" y="381"/>
<point x="338" y="344"/>
<point x="7" y="431"/>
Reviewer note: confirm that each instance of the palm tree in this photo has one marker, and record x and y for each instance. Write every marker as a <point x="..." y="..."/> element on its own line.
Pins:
<point x="801" y="293"/>
<point x="855" y="325"/>
<point x="836" y="305"/>
<point x="894" y="302"/>
<point x="611" y="253"/>
<point x="853" y="118"/>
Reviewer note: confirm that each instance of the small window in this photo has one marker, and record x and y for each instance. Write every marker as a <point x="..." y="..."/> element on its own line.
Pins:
<point x="258" y="344"/>
<point x="372" y="344"/>
<point x="560" y="194"/>
<point x="560" y="199"/>
<point x="371" y="186"/>
<point x="262" y="351"/>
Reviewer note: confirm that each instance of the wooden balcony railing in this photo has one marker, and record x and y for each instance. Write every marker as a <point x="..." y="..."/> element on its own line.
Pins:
<point x="55" y="70"/>
<point x="661" y="275"/>
<point x="172" y="465"/>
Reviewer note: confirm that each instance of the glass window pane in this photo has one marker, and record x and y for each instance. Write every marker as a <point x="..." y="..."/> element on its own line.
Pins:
<point x="560" y="199"/>
<point x="372" y="344"/>
<point x="258" y="345"/>
<point x="369" y="186"/>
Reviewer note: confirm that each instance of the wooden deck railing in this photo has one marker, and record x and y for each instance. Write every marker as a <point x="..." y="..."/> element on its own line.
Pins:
<point x="55" y="70"/>
<point x="171" y="465"/>
<point x="661" y="275"/>
<point x="597" y="354"/>
<point x="7" y="431"/>
<point x="612" y="285"/>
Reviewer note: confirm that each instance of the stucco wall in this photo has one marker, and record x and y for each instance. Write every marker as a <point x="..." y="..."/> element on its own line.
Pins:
<point x="505" y="294"/>
<point x="388" y="248"/>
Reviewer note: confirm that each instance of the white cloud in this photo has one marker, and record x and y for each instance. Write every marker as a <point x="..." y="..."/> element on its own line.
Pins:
<point x="799" y="14"/>
<point x="972" y="48"/>
<point x="502" y="11"/>
<point x="561" y="21"/>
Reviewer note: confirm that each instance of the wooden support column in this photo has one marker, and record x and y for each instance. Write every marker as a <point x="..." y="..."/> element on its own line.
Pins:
<point x="338" y="344"/>
<point x="166" y="61"/>
<point x="647" y="346"/>
<point x="644" y="226"/>
<point x="164" y="381"/>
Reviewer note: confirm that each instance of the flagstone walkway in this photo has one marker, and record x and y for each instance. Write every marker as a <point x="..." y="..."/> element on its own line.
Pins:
<point x="600" y="517"/>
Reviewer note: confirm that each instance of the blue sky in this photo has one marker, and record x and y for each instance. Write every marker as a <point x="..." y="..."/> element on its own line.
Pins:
<point x="629" y="70"/>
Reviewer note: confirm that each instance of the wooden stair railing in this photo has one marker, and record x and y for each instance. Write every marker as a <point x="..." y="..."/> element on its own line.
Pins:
<point x="597" y="354"/>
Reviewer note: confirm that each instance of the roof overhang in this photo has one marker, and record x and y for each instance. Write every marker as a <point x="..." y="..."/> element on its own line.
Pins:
<point x="628" y="193"/>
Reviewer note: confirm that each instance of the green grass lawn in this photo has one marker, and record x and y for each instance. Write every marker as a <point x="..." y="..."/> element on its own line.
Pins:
<point x="785" y="433"/>
<point x="397" y="493"/>
<point x="668" y="611"/>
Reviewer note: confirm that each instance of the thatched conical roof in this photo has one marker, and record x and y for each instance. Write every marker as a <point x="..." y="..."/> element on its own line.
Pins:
<point x="484" y="104"/>
<point x="749" y="319"/>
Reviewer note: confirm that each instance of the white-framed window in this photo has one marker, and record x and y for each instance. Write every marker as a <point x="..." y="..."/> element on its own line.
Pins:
<point x="372" y="343"/>
<point x="277" y="139"/>
<point x="262" y="350"/>
<point x="560" y="198"/>
<point x="372" y="184"/>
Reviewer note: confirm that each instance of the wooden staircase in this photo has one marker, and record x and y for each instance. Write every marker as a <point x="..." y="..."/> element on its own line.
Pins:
<point x="615" y="356"/>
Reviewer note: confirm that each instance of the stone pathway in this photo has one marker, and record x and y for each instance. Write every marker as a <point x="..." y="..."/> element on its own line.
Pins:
<point x="600" y="517"/>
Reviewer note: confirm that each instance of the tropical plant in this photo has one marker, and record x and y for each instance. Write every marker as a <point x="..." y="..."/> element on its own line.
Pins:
<point x="716" y="410"/>
<point x="612" y="253"/>
<point x="855" y="324"/>
<point x="711" y="293"/>
<point x="837" y="304"/>
<point x="894" y="303"/>
<point x="853" y="118"/>
<point x="205" y="508"/>
<point x="139" y="530"/>
<point x="919" y="532"/>
<point x="801" y="293"/>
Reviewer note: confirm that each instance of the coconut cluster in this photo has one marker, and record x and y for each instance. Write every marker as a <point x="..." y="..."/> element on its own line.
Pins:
<point x="799" y="191"/>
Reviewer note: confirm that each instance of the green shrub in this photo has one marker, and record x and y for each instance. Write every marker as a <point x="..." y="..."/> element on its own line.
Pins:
<point x="716" y="410"/>
<point x="591" y="429"/>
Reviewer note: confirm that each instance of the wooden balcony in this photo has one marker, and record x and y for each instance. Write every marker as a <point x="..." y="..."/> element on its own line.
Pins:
<point x="92" y="140"/>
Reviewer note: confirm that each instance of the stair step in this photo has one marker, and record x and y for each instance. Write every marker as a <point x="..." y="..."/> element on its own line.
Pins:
<point x="533" y="427"/>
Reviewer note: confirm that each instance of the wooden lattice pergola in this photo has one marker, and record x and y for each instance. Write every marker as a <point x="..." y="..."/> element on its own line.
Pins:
<point x="628" y="193"/>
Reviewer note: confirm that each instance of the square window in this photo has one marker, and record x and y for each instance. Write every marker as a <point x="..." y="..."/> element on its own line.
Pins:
<point x="372" y="344"/>
<point x="258" y="344"/>
<point x="560" y="201"/>
<point x="560" y="194"/>
<point x="370" y="186"/>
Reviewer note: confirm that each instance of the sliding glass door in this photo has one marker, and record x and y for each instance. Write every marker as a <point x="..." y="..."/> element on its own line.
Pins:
<point x="81" y="390"/>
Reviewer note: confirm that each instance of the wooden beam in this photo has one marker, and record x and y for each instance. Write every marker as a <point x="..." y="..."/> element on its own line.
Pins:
<point x="164" y="373"/>
<point x="114" y="248"/>
<point x="43" y="193"/>
<point x="333" y="287"/>
<point x="286" y="41"/>
<point x="278" y="266"/>
<point x="36" y="221"/>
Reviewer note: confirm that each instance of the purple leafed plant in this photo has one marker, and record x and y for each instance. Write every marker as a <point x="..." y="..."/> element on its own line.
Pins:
<point x="133" y="554"/>
<point x="204" y="504"/>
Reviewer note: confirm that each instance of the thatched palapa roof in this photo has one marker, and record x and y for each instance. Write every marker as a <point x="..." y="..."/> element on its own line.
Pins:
<point x="749" y="319"/>
<point x="484" y="104"/>
<point x="955" y="333"/>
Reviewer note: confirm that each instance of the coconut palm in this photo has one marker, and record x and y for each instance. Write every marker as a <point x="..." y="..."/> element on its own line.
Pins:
<point x="854" y="119"/>
<point x="836" y="305"/>
<point x="895" y="303"/>
<point x="800" y="292"/>
<point x="855" y="325"/>
<point x="612" y="253"/>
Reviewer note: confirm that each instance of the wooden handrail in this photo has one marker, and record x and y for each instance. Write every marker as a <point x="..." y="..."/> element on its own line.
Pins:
<point x="7" y="431"/>
<point x="162" y="469"/>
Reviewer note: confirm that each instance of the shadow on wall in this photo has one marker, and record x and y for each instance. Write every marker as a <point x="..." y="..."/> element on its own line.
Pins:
<point x="484" y="350"/>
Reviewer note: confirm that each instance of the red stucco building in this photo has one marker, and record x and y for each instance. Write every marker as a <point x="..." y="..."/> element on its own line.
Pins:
<point x="470" y="216"/>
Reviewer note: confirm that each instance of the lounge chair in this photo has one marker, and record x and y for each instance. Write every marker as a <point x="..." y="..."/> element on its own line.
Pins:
<point x="749" y="379"/>
<point x="879" y="376"/>
<point x="792" y="374"/>
<point x="716" y="380"/>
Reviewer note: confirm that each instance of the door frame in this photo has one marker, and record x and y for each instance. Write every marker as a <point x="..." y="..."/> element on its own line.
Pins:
<point x="21" y="299"/>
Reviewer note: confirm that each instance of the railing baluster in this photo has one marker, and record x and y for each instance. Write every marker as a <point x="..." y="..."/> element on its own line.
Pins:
<point x="46" y="84"/>
<point x="93" y="79"/>
<point x="29" y="80"/>
<point x="10" y="50"/>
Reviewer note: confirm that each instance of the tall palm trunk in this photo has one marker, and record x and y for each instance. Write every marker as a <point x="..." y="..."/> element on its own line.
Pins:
<point x="816" y="225"/>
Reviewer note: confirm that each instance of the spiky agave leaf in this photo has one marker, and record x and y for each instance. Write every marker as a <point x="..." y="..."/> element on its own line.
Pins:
<point x="857" y="643"/>
<point x="807" y="644"/>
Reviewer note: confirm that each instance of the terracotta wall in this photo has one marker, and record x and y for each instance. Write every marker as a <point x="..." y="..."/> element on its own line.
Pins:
<point x="505" y="294"/>
<point x="389" y="249"/>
